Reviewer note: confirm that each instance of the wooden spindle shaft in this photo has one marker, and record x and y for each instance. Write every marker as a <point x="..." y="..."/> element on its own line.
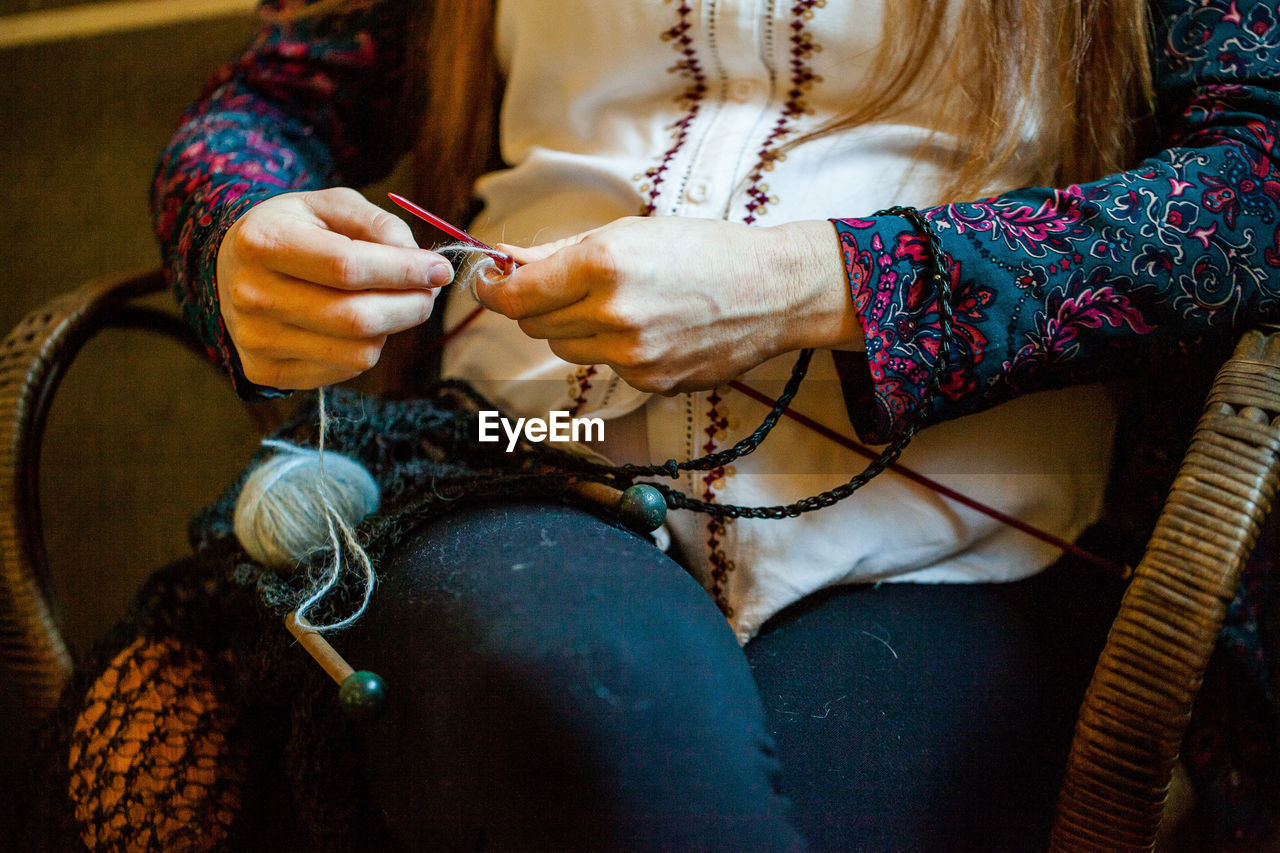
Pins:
<point x="318" y="647"/>
<point x="598" y="492"/>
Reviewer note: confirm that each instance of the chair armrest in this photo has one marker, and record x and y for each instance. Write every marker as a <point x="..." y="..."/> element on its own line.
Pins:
<point x="1138" y="704"/>
<point x="33" y="359"/>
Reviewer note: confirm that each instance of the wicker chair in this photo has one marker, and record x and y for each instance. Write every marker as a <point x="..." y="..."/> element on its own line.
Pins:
<point x="1136" y="709"/>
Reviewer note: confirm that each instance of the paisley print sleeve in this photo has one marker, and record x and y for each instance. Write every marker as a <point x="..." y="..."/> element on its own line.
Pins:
<point x="1060" y="286"/>
<point x="309" y="104"/>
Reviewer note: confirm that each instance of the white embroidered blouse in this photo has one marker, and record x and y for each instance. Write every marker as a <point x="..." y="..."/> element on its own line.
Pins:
<point x="679" y="108"/>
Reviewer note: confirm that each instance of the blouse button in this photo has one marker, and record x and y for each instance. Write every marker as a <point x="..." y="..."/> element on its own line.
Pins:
<point x="698" y="192"/>
<point x="742" y="90"/>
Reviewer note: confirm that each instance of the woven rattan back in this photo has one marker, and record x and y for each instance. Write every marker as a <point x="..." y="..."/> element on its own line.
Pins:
<point x="1139" y="702"/>
<point x="33" y="359"/>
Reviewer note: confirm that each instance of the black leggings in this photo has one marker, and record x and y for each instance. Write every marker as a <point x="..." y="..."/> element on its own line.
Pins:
<point x="559" y="684"/>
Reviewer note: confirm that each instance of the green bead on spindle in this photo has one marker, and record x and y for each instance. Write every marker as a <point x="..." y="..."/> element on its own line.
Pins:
<point x="643" y="507"/>
<point x="362" y="693"/>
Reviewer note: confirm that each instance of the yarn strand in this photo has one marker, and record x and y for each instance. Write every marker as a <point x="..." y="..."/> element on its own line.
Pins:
<point x="471" y="264"/>
<point x="341" y="537"/>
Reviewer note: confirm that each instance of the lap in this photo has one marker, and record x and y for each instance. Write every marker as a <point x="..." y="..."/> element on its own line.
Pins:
<point x="559" y="683"/>
<point x="905" y="716"/>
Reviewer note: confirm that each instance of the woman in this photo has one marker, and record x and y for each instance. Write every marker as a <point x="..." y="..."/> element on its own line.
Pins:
<point x="553" y="699"/>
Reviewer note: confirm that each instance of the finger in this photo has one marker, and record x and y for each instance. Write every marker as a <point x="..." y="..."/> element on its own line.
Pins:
<point x="346" y="314"/>
<point x="271" y="342"/>
<point x="578" y="350"/>
<point x="566" y="324"/>
<point x="643" y="377"/>
<point x="621" y="352"/>
<point x="553" y="283"/>
<point x="292" y="374"/>
<point x="529" y="254"/>
<point x="296" y="247"/>
<point x="348" y="212"/>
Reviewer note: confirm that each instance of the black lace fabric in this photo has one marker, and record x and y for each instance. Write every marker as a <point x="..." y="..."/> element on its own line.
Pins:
<point x="151" y="763"/>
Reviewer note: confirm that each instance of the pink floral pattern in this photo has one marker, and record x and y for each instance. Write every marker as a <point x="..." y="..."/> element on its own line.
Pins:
<point x="309" y="104"/>
<point x="1058" y="286"/>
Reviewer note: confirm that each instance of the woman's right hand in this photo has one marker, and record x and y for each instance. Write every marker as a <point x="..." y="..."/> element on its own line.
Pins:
<point x="312" y="283"/>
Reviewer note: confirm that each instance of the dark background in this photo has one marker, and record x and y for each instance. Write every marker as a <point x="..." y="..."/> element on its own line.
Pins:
<point x="141" y="433"/>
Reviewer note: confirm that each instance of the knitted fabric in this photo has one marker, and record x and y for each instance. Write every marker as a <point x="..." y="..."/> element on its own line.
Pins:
<point x="151" y="763"/>
<point x="198" y="724"/>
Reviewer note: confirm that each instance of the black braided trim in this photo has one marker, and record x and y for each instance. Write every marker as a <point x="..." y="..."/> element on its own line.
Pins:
<point x="672" y="468"/>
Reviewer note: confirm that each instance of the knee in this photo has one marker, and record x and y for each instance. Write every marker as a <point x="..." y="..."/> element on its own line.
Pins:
<point x="560" y="690"/>
<point x="526" y="603"/>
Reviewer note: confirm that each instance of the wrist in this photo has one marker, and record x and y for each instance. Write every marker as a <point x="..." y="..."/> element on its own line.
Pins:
<point x="822" y="315"/>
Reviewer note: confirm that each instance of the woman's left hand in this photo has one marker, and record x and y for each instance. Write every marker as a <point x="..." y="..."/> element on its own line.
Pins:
<point x="677" y="304"/>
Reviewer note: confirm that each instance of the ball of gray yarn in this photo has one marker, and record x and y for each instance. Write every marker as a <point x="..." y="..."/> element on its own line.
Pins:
<point x="280" y="514"/>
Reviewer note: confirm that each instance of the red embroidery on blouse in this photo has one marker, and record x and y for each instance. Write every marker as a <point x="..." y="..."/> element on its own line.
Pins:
<point x="803" y="47"/>
<point x="688" y="66"/>
<point x="721" y="566"/>
<point x="802" y="79"/>
<point x="579" y="385"/>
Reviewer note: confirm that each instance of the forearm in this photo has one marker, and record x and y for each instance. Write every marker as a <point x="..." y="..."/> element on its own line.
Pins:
<point x="807" y="258"/>
<point x="1064" y="286"/>
<point x="308" y="105"/>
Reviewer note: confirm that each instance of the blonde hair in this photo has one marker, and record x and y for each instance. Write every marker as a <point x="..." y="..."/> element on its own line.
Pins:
<point x="1078" y="69"/>
<point x="997" y="59"/>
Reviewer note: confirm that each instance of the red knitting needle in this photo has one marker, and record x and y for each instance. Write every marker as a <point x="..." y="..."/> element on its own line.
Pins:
<point x="505" y="262"/>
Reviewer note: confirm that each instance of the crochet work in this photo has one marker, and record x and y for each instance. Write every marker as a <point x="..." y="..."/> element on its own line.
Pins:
<point x="198" y="725"/>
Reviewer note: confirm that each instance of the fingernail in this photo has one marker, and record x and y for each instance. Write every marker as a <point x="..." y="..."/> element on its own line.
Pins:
<point x="440" y="274"/>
